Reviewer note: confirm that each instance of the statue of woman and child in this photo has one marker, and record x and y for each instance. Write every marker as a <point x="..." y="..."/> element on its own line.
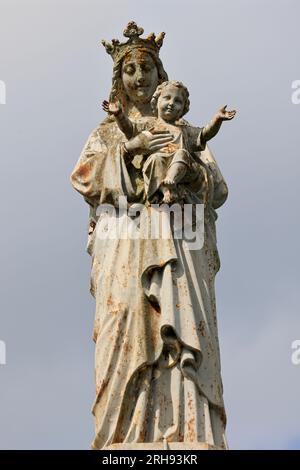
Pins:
<point x="157" y="359"/>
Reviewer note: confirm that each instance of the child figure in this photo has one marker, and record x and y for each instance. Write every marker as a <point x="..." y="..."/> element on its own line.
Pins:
<point x="175" y="162"/>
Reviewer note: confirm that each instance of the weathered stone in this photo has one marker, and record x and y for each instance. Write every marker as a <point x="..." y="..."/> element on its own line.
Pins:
<point x="157" y="371"/>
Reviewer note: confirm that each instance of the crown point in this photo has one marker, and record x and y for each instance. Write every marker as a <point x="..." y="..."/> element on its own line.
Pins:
<point x="132" y="30"/>
<point x="150" y="37"/>
<point x="160" y="39"/>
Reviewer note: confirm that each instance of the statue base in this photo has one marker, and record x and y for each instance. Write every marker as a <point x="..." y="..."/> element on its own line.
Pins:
<point x="164" y="445"/>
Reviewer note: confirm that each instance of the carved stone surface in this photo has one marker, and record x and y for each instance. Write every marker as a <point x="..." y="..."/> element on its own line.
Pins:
<point x="163" y="446"/>
<point x="157" y="362"/>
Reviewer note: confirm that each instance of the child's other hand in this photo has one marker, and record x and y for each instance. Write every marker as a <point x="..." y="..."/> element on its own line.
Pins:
<point x="224" y="115"/>
<point x="110" y="107"/>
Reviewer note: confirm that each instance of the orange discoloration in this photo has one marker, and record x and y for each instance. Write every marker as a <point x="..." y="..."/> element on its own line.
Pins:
<point x="84" y="171"/>
<point x="113" y="306"/>
<point x="169" y="148"/>
<point x="127" y="348"/>
<point x="190" y="401"/>
<point x="191" y="430"/>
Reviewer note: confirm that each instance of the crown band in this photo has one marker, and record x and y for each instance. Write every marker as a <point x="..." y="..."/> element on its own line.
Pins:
<point x="150" y="44"/>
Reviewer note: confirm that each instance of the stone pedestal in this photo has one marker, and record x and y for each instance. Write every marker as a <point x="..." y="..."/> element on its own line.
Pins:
<point x="164" y="445"/>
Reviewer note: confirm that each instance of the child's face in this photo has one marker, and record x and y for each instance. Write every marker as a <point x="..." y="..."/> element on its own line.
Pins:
<point x="170" y="104"/>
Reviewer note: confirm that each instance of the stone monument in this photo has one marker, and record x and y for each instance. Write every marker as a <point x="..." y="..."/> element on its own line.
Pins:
<point x="157" y="360"/>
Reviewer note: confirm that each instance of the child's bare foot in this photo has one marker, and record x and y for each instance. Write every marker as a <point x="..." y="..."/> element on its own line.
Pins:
<point x="168" y="197"/>
<point x="169" y="190"/>
<point x="168" y="182"/>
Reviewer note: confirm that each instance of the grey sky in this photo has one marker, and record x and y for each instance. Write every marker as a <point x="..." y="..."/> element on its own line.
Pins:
<point x="240" y="52"/>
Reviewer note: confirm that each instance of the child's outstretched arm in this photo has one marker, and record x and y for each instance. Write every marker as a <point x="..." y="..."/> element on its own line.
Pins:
<point x="213" y="127"/>
<point x="124" y="123"/>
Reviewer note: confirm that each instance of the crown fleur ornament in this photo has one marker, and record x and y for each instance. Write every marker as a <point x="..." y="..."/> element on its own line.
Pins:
<point x="132" y="30"/>
<point x="118" y="50"/>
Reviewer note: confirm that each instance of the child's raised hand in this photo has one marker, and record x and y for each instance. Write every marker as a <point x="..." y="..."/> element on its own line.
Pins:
<point x="112" y="107"/>
<point x="224" y="115"/>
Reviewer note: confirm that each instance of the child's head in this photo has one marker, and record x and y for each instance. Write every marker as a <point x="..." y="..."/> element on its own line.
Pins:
<point x="170" y="100"/>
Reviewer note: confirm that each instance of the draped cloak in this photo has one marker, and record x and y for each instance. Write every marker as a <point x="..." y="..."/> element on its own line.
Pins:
<point x="157" y="359"/>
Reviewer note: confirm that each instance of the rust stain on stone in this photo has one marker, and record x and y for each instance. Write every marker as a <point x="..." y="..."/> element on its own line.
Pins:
<point x="83" y="170"/>
<point x="191" y="430"/>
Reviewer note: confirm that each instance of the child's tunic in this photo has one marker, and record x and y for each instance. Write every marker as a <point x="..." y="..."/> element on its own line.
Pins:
<point x="186" y="138"/>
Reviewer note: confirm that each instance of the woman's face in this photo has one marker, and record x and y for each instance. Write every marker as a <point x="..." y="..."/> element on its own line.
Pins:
<point x="139" y="76"/>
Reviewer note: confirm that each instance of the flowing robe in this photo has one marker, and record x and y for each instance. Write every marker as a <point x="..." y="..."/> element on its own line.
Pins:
<point x="157" y="360"/>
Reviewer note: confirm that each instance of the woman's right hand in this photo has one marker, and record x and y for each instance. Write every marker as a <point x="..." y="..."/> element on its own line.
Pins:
<point x="148" y="142"/>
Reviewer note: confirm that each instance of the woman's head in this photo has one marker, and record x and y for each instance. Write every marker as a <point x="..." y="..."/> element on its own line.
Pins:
<point x="136" y="76"/>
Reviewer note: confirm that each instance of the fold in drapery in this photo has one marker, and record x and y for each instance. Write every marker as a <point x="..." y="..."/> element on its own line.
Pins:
<point x="147" y="293"/>
<point x="144" y="289"/>
<point x="165" y="405"/>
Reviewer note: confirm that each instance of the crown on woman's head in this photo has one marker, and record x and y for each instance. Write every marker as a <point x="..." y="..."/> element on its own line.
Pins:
<point x="132" y="31"/>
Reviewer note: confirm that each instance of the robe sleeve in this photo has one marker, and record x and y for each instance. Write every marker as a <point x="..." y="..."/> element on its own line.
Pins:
<point x="101" y="174"/>
<point x="220" y="193"/>
<point x="195" y="139"/>
<point x="197" y="144"/>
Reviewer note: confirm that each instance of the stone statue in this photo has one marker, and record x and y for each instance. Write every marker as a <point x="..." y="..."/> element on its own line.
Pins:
<point x="169" y="166"/>
<point x="157" y="361"/>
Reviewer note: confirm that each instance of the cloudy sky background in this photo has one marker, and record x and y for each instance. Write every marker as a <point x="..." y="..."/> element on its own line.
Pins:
<point x="240" y="52"/>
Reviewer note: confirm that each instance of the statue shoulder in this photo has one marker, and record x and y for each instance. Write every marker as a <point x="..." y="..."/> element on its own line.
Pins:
<point x="102" y="134"/>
